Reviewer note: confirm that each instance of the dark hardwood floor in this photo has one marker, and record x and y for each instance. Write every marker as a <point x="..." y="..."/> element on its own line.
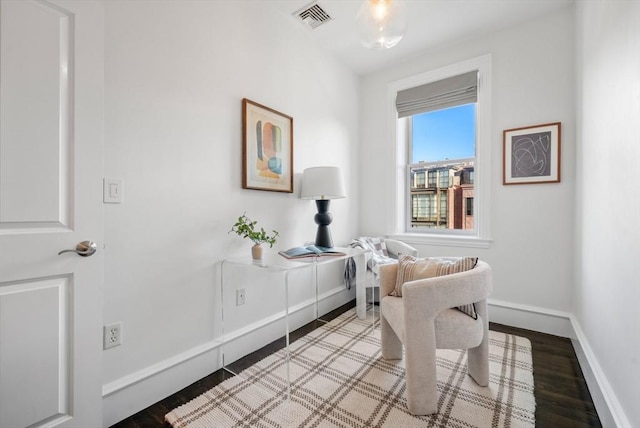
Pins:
<point x="562" y="397"/>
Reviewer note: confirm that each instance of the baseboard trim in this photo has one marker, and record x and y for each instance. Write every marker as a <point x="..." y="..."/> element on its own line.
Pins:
<point x="609" y="410"/>
<point x="136" y="391"/>
<point x="531" y="318"/>
<point x="152" y="370"/>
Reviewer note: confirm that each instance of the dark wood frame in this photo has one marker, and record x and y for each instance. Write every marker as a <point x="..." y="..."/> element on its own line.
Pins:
<point x="552" y="157"/>
<point x="252" y="112"/>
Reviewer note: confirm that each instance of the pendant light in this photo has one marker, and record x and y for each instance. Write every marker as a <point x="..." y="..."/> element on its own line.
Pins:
<point x="382" y="23"/>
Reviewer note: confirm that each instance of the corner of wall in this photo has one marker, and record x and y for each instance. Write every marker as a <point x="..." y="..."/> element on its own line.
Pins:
<point x="607" y="405"/>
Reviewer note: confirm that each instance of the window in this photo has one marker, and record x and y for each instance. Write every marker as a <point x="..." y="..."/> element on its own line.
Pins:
<point x="424" y="208"/>
<point x="442" y="127"/>
<point x="443" y="208"/>
<point x="468" y="177"/>
<point x="442" y="119"/>
<point x="444" y="179"/>
<point x="433" y="177"/>
<point x="443" y="144"/>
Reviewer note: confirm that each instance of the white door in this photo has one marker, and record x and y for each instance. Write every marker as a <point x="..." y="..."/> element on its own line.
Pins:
<point x="51" y="151"/>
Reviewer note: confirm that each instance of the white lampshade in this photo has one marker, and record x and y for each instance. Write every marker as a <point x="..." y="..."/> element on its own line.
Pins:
<point x="382" y="23"/>
<point x="322" y="182"/>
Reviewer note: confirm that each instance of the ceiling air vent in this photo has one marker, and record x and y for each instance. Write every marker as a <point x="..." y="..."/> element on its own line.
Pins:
<point x="313" y="15"/>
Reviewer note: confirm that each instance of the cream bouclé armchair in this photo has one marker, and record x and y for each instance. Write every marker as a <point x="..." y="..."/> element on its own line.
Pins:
<point x="423" y="320"/>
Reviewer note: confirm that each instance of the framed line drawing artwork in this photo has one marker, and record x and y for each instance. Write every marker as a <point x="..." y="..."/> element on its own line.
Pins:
<point x="531" y="154"/>
<point x="267" y="148"/>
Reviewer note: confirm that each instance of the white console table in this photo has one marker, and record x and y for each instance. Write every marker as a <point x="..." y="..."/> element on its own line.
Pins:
<point x="273" y="263"/>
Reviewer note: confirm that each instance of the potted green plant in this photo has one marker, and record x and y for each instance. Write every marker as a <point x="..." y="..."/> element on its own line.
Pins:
<point x="247" y="228"/>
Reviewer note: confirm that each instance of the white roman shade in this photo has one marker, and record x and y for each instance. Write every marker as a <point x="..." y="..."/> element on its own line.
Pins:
<point x="450" y="92"/>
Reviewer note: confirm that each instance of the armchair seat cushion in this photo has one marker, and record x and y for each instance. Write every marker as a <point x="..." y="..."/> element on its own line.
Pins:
<point x="456" y="330"/>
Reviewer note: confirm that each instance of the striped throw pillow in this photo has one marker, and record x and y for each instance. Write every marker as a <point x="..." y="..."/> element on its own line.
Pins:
<point x="411" y="268"/>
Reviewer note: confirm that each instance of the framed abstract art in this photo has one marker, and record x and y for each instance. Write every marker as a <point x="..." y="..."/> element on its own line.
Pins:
<point x="267" y="148"/>
<point x="531" y="154"/>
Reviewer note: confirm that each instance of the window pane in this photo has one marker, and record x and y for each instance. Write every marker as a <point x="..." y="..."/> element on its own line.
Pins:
<point x="442" y="168"/>
<point x="444" y="134"/>
<point x="444" y="178"/>
<point x="444" y="207"/>
<point x="433" y="178"/>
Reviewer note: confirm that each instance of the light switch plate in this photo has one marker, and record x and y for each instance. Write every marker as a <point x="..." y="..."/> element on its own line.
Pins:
<point x="112" y="191"/>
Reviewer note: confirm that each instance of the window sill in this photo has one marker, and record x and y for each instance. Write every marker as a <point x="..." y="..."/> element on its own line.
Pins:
<point x="442" y="240"/>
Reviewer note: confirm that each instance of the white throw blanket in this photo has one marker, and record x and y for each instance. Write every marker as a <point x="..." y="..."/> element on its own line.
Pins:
<point x="378" y="254"/>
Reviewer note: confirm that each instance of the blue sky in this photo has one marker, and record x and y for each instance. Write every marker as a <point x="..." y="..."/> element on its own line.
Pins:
<point x="444" y="134"/>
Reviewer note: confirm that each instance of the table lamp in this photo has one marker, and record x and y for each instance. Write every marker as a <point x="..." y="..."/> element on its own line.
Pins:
<point x="323" y="183"/>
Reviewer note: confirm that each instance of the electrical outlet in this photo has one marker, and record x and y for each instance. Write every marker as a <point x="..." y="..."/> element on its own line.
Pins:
<point x="112" y="335"/>
<point x="240" y="296"/>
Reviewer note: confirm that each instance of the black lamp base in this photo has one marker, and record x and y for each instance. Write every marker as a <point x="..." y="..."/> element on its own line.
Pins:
<point x="323" y="219"/>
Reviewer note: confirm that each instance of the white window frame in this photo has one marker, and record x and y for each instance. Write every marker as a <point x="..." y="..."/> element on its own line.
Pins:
<point x="481" y="236"/>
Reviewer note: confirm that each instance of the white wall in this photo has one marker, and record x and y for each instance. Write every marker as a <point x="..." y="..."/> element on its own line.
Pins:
<point x="532" y="225"/>
<point x="608" y="200"/>
<point x="176" y="73"/>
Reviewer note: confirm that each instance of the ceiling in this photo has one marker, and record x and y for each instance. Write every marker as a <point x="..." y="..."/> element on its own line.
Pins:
<point x="431" y="23"/>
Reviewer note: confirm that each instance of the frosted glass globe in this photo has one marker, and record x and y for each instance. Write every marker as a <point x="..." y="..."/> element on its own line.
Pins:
<point x="382" y="23"/>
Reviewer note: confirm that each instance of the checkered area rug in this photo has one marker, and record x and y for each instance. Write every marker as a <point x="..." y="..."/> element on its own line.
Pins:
<point x="339" y="379"/>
